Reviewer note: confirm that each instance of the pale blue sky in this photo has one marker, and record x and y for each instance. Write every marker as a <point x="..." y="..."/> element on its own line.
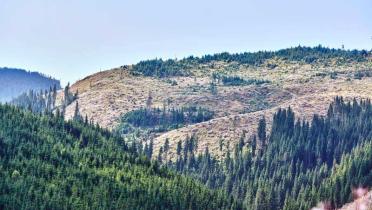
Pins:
<point x="70" y="39"/>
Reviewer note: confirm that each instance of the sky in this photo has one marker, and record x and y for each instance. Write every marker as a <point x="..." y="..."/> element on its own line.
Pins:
<point x="71" y="39"/>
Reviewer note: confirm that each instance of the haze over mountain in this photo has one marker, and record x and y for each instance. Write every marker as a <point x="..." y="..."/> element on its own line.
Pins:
<point x="14" y="82"/>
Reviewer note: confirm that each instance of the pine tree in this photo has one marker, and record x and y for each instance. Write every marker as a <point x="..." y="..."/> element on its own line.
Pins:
<point x="254" y="145"/>
<point x="77" y="115"/>
<point x="160" y="155"/>
<point x="166" y="145"/>
<point x="151" y="148"/>
<point x="179" y="148"/>
<point x="149" y="100"/>
<point x="261" y="131"/>
<point x="213" y="88"/>
<point x="67" y="95"/>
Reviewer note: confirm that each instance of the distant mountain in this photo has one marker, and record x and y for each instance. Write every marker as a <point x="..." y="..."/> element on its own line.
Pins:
<point x="14" y="82"/>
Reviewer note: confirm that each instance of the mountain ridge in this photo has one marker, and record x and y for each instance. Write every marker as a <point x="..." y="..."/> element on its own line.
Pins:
<point x="14" y="82"/>
<point x="308" y="85"/>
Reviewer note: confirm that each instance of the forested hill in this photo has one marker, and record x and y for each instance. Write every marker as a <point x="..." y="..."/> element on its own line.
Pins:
<point x="48" y="163"/>
<point x="307" y="55"/>
<point x="14" y="82"/>
<point x="297" y="164"/>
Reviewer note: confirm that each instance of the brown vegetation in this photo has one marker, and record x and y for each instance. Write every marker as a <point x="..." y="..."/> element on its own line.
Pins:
<point x="308" y="89"/>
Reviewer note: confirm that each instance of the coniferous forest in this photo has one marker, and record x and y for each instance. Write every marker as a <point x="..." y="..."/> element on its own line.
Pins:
<point x="294" y="166"/>
<point x="186" y="105"/>
<point x="163" y="119"/>
<point x="14" y="82"/>
<point x="165" y="68"/>
<point x="48" y="163"/>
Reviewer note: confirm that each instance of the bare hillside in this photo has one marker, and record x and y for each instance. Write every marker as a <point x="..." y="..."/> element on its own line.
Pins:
<point x="364" y="202"/>
<point x="307" y="88"/>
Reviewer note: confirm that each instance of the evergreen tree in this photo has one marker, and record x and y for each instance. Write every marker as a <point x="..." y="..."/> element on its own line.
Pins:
<point x="261" y="131"/>
<point x="77" y="115"/>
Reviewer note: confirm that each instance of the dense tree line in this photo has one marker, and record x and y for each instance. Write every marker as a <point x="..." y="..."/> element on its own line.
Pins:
<point x="300" y="53"/>
<point x="14" y="82"/>
<point x="161" y="68"/>
<point x="164" y="119"/>
<point x="353" y="170"/>
<point x="45" y="100"/>
<point x="236" y="80"/>
<point x="42" y="101"/>
<point x="297" y="165"/>
<point x="49" y="163"/>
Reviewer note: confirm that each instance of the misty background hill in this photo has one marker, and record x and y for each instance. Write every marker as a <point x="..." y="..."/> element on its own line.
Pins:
<point x="14" y="82"/>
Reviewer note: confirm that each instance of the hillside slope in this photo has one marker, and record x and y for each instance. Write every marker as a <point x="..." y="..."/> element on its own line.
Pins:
<point x="14" y="82"/>
<point x="363" y="202"/>
<point x="292" y="80"/>
<point x="48" y="163"/>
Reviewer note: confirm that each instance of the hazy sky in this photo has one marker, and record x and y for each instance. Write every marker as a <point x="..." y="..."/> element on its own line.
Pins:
<point x="70" y="39"/>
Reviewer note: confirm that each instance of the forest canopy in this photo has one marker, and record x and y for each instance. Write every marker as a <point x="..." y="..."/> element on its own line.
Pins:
<point x="49" y="163"/>
<point x="172" y="67"/>
<point x="296" y="165"/>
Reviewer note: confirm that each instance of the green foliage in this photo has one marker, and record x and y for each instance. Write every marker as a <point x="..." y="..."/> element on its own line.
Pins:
<point x="172" y="82"/>
<point x="333" y="75"/>
<point x="77" y="116"/>
<point x="354" y="170"/>
<point x="213" y="88"/>
<point x="300" y="54"/>
<point x="236" y="80"/>
<point x="42" y="101"/>
<point x="45" y="101"/>
<point x="298" y="164"/>
<point x="68" y="97"/>
<point x="362" y="73"/>
<point x="47" y="163"/>
<point x="261" y="131"/>
<point x="163" y="119"/>
<point x="168" y="68"/>
<point x="160" y="68"/>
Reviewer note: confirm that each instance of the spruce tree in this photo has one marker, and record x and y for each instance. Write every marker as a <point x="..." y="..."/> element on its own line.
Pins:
<point x="261" y="131"/>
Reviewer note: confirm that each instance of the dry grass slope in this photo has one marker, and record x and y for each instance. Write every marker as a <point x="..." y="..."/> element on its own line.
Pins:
<point x="308" y="89"/>
<point x="363" y="203"/>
